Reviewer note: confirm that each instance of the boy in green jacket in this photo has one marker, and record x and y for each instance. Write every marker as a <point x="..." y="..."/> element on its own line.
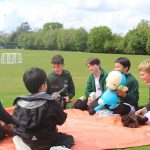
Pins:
<point x="60" y="79"/>
<point x="129" y="99"/>
<point x="95" y="83"/>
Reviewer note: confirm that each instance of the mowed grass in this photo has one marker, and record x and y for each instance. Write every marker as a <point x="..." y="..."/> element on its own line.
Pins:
<point x="11" y="84"/>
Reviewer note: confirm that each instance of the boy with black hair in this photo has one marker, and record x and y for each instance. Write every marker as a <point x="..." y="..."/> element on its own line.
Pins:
<point x="60" y="79"/>
<point x="38" y="115"/>
<point x="129" y="99"/>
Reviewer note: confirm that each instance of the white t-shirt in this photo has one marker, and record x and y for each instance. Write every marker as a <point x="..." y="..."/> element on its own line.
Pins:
<point x="97" y="85"/>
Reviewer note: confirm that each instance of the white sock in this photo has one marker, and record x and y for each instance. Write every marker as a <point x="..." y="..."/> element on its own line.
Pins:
<point x="59" y="148"/>
<point x="19" y="144"/>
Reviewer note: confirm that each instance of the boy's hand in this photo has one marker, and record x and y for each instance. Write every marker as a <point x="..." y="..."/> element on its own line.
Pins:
<point x="141" y="111"/>
<point x="67" y="98"/>
<point x="121" y="93"/>
<point x="90" y="100"/>
<point x="56" y="95"/>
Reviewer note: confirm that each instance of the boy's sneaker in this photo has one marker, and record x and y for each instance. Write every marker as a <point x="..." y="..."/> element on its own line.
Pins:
<point x="59" y="148"/>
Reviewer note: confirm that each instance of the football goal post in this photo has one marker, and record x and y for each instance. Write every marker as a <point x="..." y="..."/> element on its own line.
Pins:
<point x="11" y="58"/>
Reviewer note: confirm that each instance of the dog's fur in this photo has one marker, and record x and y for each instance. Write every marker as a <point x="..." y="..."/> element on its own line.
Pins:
<point x="133" y="121"/>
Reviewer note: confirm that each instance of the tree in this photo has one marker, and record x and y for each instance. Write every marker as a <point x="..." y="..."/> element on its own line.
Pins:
<point x="138" y="42"/>
<point x="65" y="39"/>
<point x="2" y="41"/>
<point x="39" y="40"/>
<point x="52" y="26"/>
<point x="26" y="40"/>
<point x="80" y="39"/>
<point x="97" y="37"/>
<point x="12" y="37"/>
<point x="144" y="25"/>
<point x="136" y="39"/>
<point x="24" y="27"/>
<point x="50" y="39"/>
<point x="127" y="44"/>
<point x="114" y="45"/>
<point x="148" y="45"/>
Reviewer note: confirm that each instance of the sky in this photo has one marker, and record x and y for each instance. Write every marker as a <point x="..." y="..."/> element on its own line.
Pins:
<point x="119" y="15"/>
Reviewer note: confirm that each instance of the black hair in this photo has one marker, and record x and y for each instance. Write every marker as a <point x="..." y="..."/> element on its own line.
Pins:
<point x="33" y="78"/>
<point x="123" y="61"/>
<point x="93" y="61"/>
<point x="57" y="59"/>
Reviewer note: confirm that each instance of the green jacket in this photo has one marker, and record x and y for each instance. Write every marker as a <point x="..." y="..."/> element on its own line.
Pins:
<point x="91" y="83"/>
<point x="133" y="91"/>
<point x="57" y="83"/>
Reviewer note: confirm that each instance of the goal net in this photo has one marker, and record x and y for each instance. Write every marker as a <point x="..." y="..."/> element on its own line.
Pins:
<point x="11" y="58"/>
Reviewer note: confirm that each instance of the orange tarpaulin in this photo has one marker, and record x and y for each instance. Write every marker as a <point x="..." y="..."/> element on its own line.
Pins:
<point x="92" y="133"/>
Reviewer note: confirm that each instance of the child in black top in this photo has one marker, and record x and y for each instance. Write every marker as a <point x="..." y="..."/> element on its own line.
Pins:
<point x="6" y="122"/>
<point x="38" y="115"/>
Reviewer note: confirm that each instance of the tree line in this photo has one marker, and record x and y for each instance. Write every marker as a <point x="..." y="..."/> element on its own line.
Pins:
<point x="99" y="39"/>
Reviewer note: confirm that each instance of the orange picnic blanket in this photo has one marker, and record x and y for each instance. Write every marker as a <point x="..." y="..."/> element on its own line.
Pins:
<point x="91" y="132"/>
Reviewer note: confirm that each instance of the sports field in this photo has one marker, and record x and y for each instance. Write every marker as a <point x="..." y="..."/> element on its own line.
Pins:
<point x="11" y="84"/>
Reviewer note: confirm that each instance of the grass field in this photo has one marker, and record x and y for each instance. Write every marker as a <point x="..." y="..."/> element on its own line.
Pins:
<point x="11" y="84"/>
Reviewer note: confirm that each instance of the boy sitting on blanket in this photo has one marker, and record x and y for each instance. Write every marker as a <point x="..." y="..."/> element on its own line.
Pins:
<point x="95" y="83"/>
<point x="37" y="116"/>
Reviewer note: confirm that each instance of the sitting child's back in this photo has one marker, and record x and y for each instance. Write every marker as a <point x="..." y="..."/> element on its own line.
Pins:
<point x="38" y="115"/>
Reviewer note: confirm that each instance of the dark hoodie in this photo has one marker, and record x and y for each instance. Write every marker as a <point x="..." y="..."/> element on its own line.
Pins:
<point x="37" y="116"/>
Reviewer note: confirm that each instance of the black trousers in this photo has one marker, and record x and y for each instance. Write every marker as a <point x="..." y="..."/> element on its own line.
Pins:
<point x="82" y="105"/>
<point x="63" y="140"/>
<point x="121" y="109"/>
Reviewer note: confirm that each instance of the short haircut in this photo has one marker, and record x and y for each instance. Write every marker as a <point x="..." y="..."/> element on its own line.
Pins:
<point x="144" y="66"/>
<point x="123" y="61"/>
<point x="57" y="59"/>
<point x="93" y="61"/>
<point x="33" y="78"/>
